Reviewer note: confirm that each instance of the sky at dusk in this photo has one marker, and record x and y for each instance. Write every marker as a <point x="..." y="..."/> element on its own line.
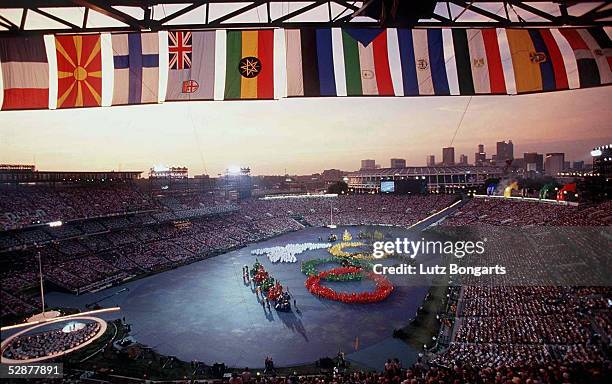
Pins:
<point x="302" y="136"/>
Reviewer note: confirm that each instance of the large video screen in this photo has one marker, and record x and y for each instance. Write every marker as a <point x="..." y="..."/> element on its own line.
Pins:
<point x="387" y="186"/>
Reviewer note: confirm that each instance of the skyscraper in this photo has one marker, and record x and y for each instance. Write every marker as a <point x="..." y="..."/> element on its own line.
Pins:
<point x="505" y="151"/>
<point x="431" y="160"/>
<point x="480" y="157"/>
<point x="578" y="165"/>
<point x="534" y="162"/>
<point x="554" y="163"/>
<point x="463" y="159"/>
<point x="368" y="164"/>
<point x="448" y="156"/>
<point x="398" y="163"/>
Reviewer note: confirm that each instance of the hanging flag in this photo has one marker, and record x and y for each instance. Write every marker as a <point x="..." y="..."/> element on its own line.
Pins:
<point x="537" y="61"/>
<point x="79" y="71"/>
<point x="593" y="51"/>
<point x="25" y="72"/>
<point x="366" y="62"/>
<point x="249" y="70"/>
<point x="479" y="66"/>
<point x="136" y="60"/>
<point x="310" y="63"/>
<point x="191" y="58"/>
<point x="422" y="62"/>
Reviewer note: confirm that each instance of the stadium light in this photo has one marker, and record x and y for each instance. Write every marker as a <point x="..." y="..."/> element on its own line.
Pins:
<point x="596" y="152"/>
<point x="233" y="170"/>
<point x="54" y="224"/>
<point x="160" y="168"/>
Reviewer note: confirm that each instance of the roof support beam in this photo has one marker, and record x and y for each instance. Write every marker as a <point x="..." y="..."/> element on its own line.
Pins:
<point x="107" y="10"/>
<point x="311" y="10"/>
<point x="181" y="12"/>
<point x="55" y="18"/>
<point x="532" y="10"/>
<point x="9" y="24"/>
<point x="300" y="11"/>
<point x="237" y="12"/>
<point x="480" y="11"/>
<point x="24" y="16"/>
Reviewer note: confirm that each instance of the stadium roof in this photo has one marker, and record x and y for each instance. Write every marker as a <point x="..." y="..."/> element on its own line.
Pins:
<point x="422" y="171"/>
<point x="60" y="16"/>
<point x="32" y="176"/>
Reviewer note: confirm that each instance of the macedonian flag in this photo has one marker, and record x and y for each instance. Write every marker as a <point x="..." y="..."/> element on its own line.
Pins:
<point x="79" y="71"/>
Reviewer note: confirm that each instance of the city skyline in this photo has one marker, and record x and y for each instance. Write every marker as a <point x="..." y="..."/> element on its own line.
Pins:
<point x="316" y="134"/>
<point x="304" y="136"/>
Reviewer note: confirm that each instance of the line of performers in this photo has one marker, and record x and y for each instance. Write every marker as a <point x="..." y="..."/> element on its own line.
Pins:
<point x="270" y="289"/>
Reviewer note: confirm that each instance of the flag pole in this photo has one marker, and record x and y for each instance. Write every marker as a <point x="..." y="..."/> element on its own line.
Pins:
<point x="42" y="292"/>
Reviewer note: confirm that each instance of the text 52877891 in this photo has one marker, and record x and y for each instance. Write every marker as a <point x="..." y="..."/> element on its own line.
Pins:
<point x="31" y="371"/>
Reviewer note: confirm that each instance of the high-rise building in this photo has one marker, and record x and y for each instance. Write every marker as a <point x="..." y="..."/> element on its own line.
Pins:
<point x="578" y="165"/>
<point x="534" y="162"/>
<point x="398" y="163"/>
<point x="480" y="157"/>
<point x="567" y="165"/>
<point x="448" y="156"/>
<point x="463" y="159"/>
<point x="368" y="164"/>
<point x="431" y="160"/>
<point x="518" y="163"/>
<point x="505" y="151"/>
<point x="554" y="163"/>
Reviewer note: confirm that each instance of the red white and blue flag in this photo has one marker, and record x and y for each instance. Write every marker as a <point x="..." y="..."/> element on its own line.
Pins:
<point x="179" y="49"/>
<point x="191" y="65"/>
<point x="25" y="72"/>
<point x="593" y="50"/>
<point x="136" y="60"/>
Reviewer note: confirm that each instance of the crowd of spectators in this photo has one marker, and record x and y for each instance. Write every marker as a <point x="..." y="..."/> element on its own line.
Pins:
<point x="546" y="333"/>
<point x="496" y="211"/>
<point x="49" y="343"/>
<point x="428" y="372"/>
<point x="353" y="210"/>
<point x="521" y="332"/>
<point x="129" y="233"/>
<point x="528" y="334"/>
<point x="35" y="204"/>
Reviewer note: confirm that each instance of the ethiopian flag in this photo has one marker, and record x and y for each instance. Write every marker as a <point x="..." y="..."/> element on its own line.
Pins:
<point x="250" y="65"/>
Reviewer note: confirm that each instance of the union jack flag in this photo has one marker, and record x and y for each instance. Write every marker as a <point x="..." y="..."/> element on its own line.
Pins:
<point x="180" y="49"/>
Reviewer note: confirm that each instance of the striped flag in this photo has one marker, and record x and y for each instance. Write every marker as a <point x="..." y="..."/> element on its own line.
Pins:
<point x="25" y="72"/>
<point x="479" y="66"/>
<point x="310" y="63"/>
<point x="249" y="70"/>
<point x="537" y="61"/>
<point x="593" y="51"/>
<point x="366" y="62"/>
<point x="136" y="60"/>
<point x="79" y="71"/>
<point x="422" y="62"/>
<point x="191" y="73"/>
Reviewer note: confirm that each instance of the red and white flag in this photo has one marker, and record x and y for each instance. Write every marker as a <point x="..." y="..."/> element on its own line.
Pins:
<point x="25" y="72"/>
